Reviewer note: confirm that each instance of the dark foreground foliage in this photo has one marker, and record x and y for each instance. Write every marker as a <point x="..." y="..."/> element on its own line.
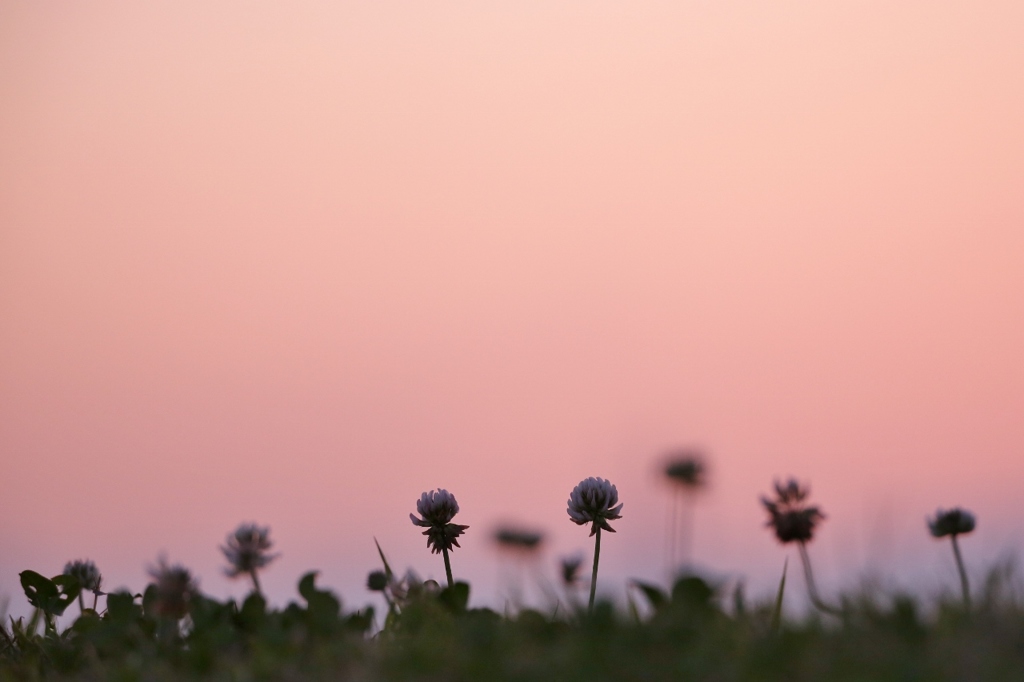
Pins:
<point x="430" y="634"/>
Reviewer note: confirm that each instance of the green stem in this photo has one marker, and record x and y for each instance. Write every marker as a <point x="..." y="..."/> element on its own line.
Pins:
<point x="963" y="573"/>
<point x="255" y="582"/>
<point x="593" y="577"/>
<point x="812" y="587"/>
<point x="448" y="567"/>
<point x="81" y="603"/>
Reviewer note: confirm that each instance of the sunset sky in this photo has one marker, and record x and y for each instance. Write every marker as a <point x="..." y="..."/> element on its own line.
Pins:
<point x="297" y="262"/>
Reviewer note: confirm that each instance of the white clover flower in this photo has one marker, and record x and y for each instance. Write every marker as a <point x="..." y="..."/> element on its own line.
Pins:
<point x="175" y="589"/>
<point x="594" y="501"/>
<point x="86" y="573"/>
<point x="437" y="508"/>
<point x="247" y="550"/>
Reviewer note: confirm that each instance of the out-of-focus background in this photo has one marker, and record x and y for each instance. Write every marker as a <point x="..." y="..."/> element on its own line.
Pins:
<point x="296" y="263"/>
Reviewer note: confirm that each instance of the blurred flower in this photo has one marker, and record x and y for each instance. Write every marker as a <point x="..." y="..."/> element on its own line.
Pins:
<point x="571" y="568"/>
<point x="791" y="520"/>
<point x="687" y="469"/>
<point x="953" y="522"/>
<point x="437" y="508"/>
<point x="175" y="589"/>
<point x="247" y="550"/>
<point x="593" y="501"/>
<point x="518" y="539"/>
<point x="86" y="573"/>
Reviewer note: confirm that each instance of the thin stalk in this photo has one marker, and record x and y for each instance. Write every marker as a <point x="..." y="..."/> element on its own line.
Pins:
<point x="812" y="586"/>
<point x="963" y="573"/>
<point x="81" y="602"/>
<point x="448" y="567"/>
<point x="673" y="533"/>
<point x="687" y="528"/>
<point x="593" y="577"/>
<point x="95" y="600"/>
<point x="255" y="582"/>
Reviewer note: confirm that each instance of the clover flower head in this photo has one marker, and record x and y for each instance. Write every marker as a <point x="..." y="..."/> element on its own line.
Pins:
<point x="791" y="519"/>
<point x="518" y="539"/>
<point x="247" y="549"/>
<point x="86" y="573"/>
<point x="952" y="522"/>
<point x="687" y="469"/>
<point x="176" y="589"/>
<point x="593" y="501"/>
<point x="437" y="509"/>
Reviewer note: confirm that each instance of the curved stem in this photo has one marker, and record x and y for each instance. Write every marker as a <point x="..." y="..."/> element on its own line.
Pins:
<point x="593" y="577"/>
<point x="963" y="573"/>
<point x="255" y="582"/>
<point x="448" y="568"/>
<point x="812" y="587"/>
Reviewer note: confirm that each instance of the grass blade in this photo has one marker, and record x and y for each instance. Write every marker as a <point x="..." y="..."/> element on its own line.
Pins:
<point x="777" y="612"/>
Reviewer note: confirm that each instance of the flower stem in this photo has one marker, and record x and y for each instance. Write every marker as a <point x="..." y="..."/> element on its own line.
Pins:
<point x="593" y="577"/>
<point x="812" y="587"/>
<point x="963" y="573"/>
<point x="255" y="582"/>
<point x="448" y="567"/>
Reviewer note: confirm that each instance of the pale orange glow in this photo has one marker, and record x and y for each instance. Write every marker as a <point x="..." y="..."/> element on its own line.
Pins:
<point x="296" y="263"/>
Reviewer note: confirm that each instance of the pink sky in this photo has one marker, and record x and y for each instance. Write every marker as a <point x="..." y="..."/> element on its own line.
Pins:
<point x="298" y="262"/>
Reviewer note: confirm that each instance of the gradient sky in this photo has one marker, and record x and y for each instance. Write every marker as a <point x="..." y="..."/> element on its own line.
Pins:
<point x="298" y="262"/>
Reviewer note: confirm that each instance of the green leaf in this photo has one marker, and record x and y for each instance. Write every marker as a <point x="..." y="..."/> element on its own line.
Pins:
<point x="52" y="596"/>
<point x="692" y="593"/>
<point x="655" y="597"/>
<point x="39" y="590"/>
<point x="455" y="597"/>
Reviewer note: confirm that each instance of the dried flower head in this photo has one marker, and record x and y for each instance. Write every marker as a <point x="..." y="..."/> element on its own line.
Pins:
<point x="176" y="589"/>
<point x="955" y="521"/>
<point x="86" y="573"/>
<point x="687" y="469"/>
<point x="593" y="501"/>
<point x="437" y="508"/>
<point x="247" y="549"/>
<point x="518" y="539"/>
<point x="789" y="517"/>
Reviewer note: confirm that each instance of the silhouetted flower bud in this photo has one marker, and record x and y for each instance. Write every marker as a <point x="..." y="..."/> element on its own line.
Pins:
<point x="86" y="573"/>
<point x="437" y="508"/>
<point x="953" y="522"/>
<point x="593" y="501"/>
<point x="790" y="519"/>
<point x="377" y="581"/>
<point x="570" y="569"/>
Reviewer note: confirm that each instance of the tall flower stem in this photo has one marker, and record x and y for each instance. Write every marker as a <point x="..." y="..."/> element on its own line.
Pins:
<point x="593" y="577"/>
<point x="448" y="568"/>
<point x="255" y="582"/>
<point x="812" y="586"/>
<point x="963" y="573"/>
